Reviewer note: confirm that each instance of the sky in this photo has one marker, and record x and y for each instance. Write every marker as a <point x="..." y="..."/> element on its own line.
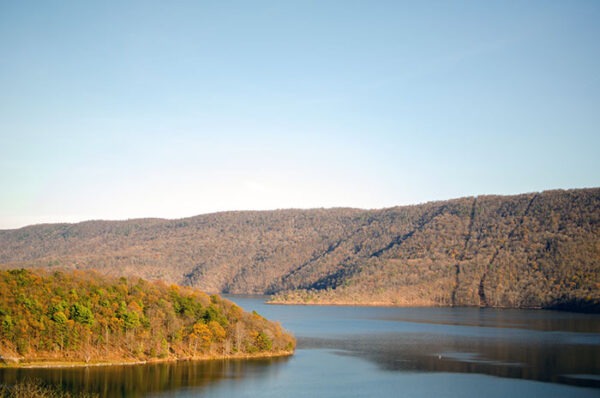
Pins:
<point x="130" y="109"/>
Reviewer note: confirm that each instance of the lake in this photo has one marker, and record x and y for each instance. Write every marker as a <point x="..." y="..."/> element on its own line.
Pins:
<point x="378" y="352"/>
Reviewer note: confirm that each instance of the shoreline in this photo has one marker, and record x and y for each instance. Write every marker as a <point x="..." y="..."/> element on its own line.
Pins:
<point x="575" y="310"/>
<point x="66" y="364"/>
<point x="409" y="305"/>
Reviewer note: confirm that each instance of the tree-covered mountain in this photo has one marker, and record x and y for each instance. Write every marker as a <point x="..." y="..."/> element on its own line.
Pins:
<point x="81" y="316"/>
<point x="529" y="250"/>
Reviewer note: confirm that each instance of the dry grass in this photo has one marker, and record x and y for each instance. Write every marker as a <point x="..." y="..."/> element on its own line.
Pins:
<point x="34" y="388"/>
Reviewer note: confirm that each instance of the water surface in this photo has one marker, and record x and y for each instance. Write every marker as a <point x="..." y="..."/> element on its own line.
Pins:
<point x="378" y="352"/>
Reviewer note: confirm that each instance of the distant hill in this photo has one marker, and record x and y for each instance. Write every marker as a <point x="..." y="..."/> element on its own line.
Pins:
<point x="529" y="250"/>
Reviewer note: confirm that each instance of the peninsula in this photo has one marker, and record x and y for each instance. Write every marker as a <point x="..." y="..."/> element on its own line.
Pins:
<point x="66" y="318"/>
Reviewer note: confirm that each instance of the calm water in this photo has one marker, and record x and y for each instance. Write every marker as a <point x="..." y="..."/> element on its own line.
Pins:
<point x="379" y="352"/>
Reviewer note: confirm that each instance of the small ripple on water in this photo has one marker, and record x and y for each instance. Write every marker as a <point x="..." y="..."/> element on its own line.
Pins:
<point x="474" y="357"/>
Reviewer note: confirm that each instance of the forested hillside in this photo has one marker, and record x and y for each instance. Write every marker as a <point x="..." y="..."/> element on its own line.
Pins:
<point x="84" y="317"/>
<point x="530" y="250"/>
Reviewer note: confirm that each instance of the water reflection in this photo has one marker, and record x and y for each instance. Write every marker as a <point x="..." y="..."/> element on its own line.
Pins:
<point x="143" y="380"/>
<point x="548" y="346"/>
<point x="543" y="359"/>
<point x="495" y="318"/>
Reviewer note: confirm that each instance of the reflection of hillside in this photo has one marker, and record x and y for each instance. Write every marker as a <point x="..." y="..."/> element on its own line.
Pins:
<point x="530" y="250"/>
<point x="531" y="358"/>
<point x="142" y="380"/>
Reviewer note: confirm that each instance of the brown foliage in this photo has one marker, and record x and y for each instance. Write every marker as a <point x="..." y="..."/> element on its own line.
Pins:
<point x="530" y="250"/>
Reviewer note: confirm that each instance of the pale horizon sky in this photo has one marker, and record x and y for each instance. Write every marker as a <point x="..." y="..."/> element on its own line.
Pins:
<point x="133" y="109"/>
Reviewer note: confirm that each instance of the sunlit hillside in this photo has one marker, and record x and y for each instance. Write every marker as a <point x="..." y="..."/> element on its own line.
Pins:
<point x="84" y="317"/>
<point x="529" y="250"/>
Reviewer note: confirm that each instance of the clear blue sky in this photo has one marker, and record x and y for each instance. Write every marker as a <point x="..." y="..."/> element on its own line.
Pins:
<point x="126" y="109"/>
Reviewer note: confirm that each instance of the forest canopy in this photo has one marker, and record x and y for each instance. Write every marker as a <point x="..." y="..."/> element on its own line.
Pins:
<point x="86" y="317"/>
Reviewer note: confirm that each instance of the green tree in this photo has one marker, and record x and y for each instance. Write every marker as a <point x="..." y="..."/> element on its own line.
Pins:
<point x="7" y="326"/>
<point x="131" y="320"/>
<point x="60" y="321"/>
<point x="82" y="314"/>
<point x="263" y="342"/>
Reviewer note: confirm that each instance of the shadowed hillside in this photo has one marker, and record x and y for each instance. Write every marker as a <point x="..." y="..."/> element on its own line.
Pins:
<point x="530" y="250"/>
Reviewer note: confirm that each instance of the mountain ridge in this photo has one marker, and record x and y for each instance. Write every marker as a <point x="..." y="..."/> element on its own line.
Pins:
<point x="538" y="249"/>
